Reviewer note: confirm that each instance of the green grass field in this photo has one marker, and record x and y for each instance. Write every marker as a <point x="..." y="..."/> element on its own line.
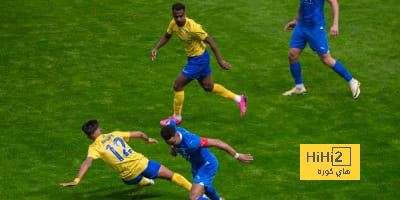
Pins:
<point x="65" y="62"/>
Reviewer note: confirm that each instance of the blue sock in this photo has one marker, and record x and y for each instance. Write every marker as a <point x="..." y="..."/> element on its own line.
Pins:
<point x="342" y="71"/>
<point x="211" y="193"/>
<point x="295" y="69"/>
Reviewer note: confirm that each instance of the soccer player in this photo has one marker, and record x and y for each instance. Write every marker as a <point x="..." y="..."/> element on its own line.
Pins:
<point x="309" y="27"/>
<point x="194" y="39"/>
<point x="195" y="150"/>
<point x="133" y="167"/>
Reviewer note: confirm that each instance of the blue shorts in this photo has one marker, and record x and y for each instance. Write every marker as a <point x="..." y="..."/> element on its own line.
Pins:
<point x="150" y="172"/>
<point x="315" y="36"/>
<point x="197" y="66"/>
<point x="204" y="175"/>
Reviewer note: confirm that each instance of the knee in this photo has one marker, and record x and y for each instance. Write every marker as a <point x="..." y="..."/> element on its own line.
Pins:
<point x="208" y="87"/>
<point x="178" y="87"/>
<point x="293" y="57"/>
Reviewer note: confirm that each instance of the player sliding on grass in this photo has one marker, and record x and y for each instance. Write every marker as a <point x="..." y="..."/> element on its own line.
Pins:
<point x="133" y="167"/>
<point x="198" y="67"/>
<point x="195" y="150"/>
<point x="309" y="27"/>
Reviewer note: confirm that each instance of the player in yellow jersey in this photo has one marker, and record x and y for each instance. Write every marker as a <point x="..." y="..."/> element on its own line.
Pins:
<point x="133" y="167"/>
<point x="194" y="39"/>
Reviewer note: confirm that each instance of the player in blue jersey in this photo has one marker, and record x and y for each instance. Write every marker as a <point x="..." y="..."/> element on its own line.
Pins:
<point x="309" y="27"/>
<point x="195" y="150"/>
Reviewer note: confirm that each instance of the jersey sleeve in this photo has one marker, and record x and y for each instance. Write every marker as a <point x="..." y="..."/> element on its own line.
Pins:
<point x="198" y="31"/>
<point x="170" y="29"/>
<point x="203" y="142"/>
<point x="93" y="153"/>
<point x="193" y="141"/>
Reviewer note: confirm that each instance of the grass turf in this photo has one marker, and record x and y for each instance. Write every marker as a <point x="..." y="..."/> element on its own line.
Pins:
<point x="64" y="62"/>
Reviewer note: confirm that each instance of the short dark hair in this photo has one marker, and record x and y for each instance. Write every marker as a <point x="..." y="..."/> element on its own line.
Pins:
<point x="178" y="6"/>
<point x="168" y="132"/>
<point x="90" y="127"/>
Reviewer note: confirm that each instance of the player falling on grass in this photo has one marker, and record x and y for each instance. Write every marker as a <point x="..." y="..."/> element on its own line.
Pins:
<point x="309" y="27"/>
<point x="133" y="167"/>
<point x="195" y="150"/>
<point x="198" y="67"/>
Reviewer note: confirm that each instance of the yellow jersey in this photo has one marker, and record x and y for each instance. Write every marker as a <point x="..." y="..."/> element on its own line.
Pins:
<point x="191" y="35"/>
<point x="115" y="152"/>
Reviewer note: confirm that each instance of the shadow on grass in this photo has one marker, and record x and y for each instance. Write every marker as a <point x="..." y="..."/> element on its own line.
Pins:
<point x="105" y="193"/>
<point x="111" y="193"/>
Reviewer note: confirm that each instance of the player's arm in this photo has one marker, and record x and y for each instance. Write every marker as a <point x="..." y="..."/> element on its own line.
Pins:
<point x="213" y="45"/>
<point x="290" y="25"/>
<point x="84" y="167"/>
<point x="140" y="134"/>
<point x="208" y="142"/>
<point x="335" y="17"/>
<point x="161" y="43"/>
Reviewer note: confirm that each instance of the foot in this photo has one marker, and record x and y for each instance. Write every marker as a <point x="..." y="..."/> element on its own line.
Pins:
<point x="165" y="121"/>
<point x="242" y="105"/>
<point x="151" y="182"/>
<point x="355" y="88"/>
<point x="295" y="90"/>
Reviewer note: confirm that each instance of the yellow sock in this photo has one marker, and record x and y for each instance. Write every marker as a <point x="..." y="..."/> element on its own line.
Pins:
<point x="178" y="102"/>
<point x="223" y="92"/>
<point x="181" y="181"/>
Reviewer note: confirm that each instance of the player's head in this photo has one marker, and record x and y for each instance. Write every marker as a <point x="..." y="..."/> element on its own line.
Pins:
<point x="179" y="14"/>
<point x="168" y="132"/>
<point x="90" y="127"/>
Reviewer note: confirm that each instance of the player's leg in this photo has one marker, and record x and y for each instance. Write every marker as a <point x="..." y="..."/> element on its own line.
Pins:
<point x="197" y="192"/>
<point x="319" y="43"/>
<point x="179" y="95"/>
<point x="204" y="177"/>
<point x="212" y="193"/>
<point x="139" y="180"/>
<point x="340" y="69"/>
<point x="297" y="44"/>
<point x="176" y="178"/>
<point x="295" y="70"/>
<point x="207" y="83"/>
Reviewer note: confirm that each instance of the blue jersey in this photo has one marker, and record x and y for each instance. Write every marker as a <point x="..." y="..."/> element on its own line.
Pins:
<point x="312" y="12"/>
<point x="191" y="148"/>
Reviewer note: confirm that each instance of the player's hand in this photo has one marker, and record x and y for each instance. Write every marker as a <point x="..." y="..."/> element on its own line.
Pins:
<point x="68" y="184"/>
<point x="153" y="54"/>
<point x="290" y="25"/>
<point x="173" y="151"/>
<point x="225" y="65"/>
<point x="245" y="157"/>
<point x="334" y="30"/>
<point x="152" y="140"/>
